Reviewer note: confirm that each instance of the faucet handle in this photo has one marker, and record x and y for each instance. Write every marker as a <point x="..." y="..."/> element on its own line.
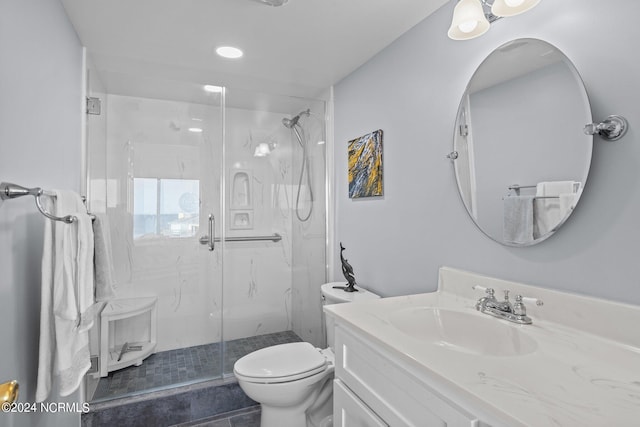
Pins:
<point x="489" y="291"/>
<point x="506" y="295"/>
<point x="519" y="308"/>
<point x="530" y="300"/>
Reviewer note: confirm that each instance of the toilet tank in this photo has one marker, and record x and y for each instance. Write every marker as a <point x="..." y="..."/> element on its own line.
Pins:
<point x="330" y="295"/>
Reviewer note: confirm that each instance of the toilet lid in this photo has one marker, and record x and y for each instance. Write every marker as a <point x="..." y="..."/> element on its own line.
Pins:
<point x="279" y="363"/>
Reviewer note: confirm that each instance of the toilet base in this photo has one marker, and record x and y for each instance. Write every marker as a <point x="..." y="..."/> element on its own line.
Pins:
<point x="316" y="414"/>
<point x="282" y="417"/>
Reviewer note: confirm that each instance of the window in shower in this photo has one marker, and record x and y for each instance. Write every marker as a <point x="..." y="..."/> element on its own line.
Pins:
<point x="165" y="207"/>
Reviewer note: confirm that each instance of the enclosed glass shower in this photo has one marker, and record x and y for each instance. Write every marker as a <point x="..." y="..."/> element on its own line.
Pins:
<point x="214" y="205"/>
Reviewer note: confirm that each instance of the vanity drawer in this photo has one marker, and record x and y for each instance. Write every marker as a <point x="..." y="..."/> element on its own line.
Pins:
<point x="390" y="391"/>
<point x="349" y="411"/>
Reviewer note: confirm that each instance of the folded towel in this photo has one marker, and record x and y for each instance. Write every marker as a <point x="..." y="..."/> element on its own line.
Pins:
<point x="549" y="212"/>
<point x="555" y="188"/>
<point x="103" y="260"/>
<point x="67" y="297"/>
<point x="518" y="219"/>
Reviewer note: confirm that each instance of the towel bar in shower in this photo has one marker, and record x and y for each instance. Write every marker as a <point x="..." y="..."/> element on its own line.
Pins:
<point x="13" y="191"/>
<point x="275" y="237"/>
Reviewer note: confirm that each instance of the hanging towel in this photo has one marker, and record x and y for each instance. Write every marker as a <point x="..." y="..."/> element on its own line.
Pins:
<point x="518" y="219"/>
<point x="548" y="212"/>
<point x="103" y="260"/>
<point x="67" y="297"/>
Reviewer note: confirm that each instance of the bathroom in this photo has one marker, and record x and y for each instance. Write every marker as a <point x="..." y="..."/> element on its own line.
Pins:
<point x="411" y="88"/>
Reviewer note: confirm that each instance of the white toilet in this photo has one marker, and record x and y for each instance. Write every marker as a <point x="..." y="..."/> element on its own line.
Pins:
<point x="294" y="382"/>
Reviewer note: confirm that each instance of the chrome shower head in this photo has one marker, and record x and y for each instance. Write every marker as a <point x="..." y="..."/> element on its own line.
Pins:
<point x="290" y="123"/>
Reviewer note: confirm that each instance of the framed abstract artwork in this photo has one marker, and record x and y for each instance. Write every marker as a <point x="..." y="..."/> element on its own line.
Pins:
<point x="365" y="165"/>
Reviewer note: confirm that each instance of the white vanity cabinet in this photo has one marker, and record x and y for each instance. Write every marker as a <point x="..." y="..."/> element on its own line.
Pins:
<point x="371" y="389"/>
<point x="432" y="359"/>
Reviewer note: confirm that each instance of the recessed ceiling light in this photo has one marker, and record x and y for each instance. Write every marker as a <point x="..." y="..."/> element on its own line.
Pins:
<point x="280" y="2"/>
<point x="229" y="52"/>
<point x="212" y="89"/>
<point x="195" y="130"/>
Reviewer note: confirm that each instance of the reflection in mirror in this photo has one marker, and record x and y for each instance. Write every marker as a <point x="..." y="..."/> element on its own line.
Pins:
<point x="523" y="158"/>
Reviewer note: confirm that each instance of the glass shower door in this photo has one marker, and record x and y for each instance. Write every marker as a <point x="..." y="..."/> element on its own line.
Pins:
<point x="154" y="173"/>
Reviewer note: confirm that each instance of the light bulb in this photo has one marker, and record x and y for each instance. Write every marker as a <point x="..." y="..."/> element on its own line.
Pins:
<point x="468" y="26"/>
<point x="512" y="7"/>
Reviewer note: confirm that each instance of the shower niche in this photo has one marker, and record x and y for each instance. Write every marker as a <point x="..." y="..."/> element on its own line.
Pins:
<point x="241" y="206"/>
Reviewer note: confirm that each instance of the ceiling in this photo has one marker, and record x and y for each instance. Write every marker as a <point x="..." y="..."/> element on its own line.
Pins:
<point x="299" y="49"/>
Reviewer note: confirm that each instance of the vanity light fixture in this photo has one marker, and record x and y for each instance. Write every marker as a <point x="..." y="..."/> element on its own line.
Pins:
<point x="472" y="18"/>
<point x="229" y="52"/>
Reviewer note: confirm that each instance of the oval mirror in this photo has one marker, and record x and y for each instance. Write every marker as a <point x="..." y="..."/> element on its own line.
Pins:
<point x="522" y="156"/>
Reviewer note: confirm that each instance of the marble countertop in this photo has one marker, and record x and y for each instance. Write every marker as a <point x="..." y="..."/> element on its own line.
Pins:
<point x="584" y="370"/>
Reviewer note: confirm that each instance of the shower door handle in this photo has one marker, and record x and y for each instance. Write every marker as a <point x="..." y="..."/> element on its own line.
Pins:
<point x="210" y="239"/>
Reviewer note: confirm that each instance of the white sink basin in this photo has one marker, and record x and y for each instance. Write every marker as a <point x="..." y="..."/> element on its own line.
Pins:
<point x="467" y="332"/>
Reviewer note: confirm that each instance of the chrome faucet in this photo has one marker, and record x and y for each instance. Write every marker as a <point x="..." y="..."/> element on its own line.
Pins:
<point x="516" y="313"/>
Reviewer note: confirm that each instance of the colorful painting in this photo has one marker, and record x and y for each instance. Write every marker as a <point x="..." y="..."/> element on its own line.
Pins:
<point x="365" y="165"/>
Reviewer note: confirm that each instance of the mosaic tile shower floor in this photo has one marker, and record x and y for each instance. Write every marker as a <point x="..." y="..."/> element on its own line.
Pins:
<point x="184" y="365"/>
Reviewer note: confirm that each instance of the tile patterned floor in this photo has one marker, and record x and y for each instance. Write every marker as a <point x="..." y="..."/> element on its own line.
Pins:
<point x="184" y="365"/>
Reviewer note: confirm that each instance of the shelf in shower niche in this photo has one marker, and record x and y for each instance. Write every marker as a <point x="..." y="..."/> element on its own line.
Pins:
<point x="241" y="219"/>
<point x="129" y="321"/>
<point x="240" y="188"/>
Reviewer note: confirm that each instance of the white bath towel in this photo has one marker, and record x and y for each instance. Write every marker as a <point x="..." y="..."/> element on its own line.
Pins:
<point x="548" y="211"/>
<point x="67" y="297"/>
<point x="103" y="259"/>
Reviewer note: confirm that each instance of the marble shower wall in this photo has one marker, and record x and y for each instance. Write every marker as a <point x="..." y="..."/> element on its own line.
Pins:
<point x="268" y="287"/>
<point x="257" y="275"/>
<point x="309" y="238"/>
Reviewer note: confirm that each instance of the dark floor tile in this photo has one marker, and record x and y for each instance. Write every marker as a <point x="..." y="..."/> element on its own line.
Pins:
<point x="251" y="419"/>
<point x="246" y="417"/>
<point x="184" y="365"/>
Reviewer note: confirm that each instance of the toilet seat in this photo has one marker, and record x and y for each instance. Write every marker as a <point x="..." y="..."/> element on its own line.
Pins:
<point x="281" y="363"/>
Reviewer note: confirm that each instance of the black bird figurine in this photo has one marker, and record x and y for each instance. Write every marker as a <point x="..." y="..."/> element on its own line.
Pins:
<point x="347" y="271"/>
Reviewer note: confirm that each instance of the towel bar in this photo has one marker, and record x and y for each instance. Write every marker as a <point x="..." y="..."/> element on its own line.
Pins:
<point x="13" y="191"/>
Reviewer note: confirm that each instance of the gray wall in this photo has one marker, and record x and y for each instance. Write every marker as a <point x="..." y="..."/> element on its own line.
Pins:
<point x="411" y="90"/>
<point x="40" y="139"/>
